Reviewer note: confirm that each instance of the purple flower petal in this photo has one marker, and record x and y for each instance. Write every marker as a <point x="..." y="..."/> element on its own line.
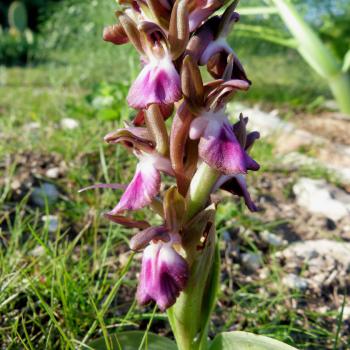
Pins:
<point x="126" y="221"/>
<point x="216" y="46"/>
<point x="238" y="186"/>
<point x="164" y="274"/>
<point x="158" y="82"/>
<point x="220" y="149"/>
<point x="142" y="189"/>
<point x="201" y="11"/>
<point x="197" y="127"/>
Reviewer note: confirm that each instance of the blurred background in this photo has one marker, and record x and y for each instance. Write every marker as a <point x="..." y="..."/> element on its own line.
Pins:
<point x="67" y="275"/>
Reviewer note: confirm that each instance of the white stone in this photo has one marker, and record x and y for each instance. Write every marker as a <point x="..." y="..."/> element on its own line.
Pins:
<point x="38" y="251"/>
<point x="53" y="173"/>
<point x="272" y="239"/>
<point x="312" y="249"/>
<point x="100" y="102"/>
<point x="51" y="221"/>
<point x="69" y="123"/>
<point x="32" y="126"/>
<point x="293" y="281"/>
<point x="319" y="197"/>
<point x="267" y="123"/>
<point x="251" y="261"/>
<point x="346" y="312"/>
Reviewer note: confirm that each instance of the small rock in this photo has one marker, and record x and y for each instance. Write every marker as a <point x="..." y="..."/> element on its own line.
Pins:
<point x="46" y="192"/>
<point x="294" y="160"/>
<point x="38" y="251"/>
<point x="268" y="123"/>
<point x="272" y="239"/>
<point x="309" y="250"/>
<point x="346" y="312"/>
<point x="331" y="105"/>
<point x="293" y="281"/>
<point x="51" y="221"/>
<point x="69" y="123"/>
<point x="32" y="126"/>
<point x="251" y="261"/>
<point x="100" y="102"/>
<point x="53" y="173"/>
<point x="319" y="197"/>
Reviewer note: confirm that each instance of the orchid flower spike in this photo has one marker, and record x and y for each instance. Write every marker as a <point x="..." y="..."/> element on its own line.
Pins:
<point x="203" y="151"/>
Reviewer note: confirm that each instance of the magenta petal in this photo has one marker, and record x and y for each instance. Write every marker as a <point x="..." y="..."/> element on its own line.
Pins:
<point x="238" y="186"/>
<point x="201" y="11"/>
<point x="197" y="127"/>
<point x="164" y="274"/>
<point x="220" y="149"/>
<point x="142" y="189"/>
<point x="219" y="45"/>
<point x="158" y="82"/>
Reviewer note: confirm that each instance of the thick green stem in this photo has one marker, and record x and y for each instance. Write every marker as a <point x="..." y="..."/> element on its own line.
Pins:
<point x="316" y="54"/>
<point x="200" y="189"/>
<point x="340" y="86"/>
<point x="189" y="317"/>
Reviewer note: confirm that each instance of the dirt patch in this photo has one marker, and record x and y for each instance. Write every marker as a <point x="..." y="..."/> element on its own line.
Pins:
<point x="276" y="202"/>
<point x="332" y="126"/>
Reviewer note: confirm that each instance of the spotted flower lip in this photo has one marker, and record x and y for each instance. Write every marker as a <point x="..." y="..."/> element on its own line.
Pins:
<point x="163" y="276"/>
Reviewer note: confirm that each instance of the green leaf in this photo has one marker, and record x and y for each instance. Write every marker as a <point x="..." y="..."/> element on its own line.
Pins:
<point x="17" y="16"/>
<point x="131" y="340"/>
<point x="346" y="62"/>
<point x="246" y="341"/>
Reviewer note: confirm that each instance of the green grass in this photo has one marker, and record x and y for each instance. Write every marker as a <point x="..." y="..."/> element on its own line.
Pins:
<point x="61" y="289"/>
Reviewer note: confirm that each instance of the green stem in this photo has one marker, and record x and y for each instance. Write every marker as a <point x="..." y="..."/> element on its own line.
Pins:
<point x="200" y="189"/>
<point x="189" y="317"/>
<point x="340" y="86"/>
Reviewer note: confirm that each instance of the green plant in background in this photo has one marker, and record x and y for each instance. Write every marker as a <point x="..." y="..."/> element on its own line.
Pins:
<point x="17" y="16"/>
<point x="331" y="62"/>
<point x="17" y="40"/>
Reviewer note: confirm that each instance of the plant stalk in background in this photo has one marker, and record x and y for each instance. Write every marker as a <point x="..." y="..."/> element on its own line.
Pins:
<point x="317" y="55"/>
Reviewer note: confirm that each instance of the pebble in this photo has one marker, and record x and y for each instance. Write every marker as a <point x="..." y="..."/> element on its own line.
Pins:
<point x="100" y="102"/>
<point x="69" y="123"/>
<point x="320" y="197"/>
<point x="251" y="261"/>
<point x="53" y="173"/>
<point x="51" y="222"/>
<point x="32" y="126"/>
<point x="268" y="123"/>
<point x="293" y="281"/>
<point x="272" y="239"/>
<point x="46" y="192"/>
<point x="319" y="248"/>
<point x="38" y="251"/>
